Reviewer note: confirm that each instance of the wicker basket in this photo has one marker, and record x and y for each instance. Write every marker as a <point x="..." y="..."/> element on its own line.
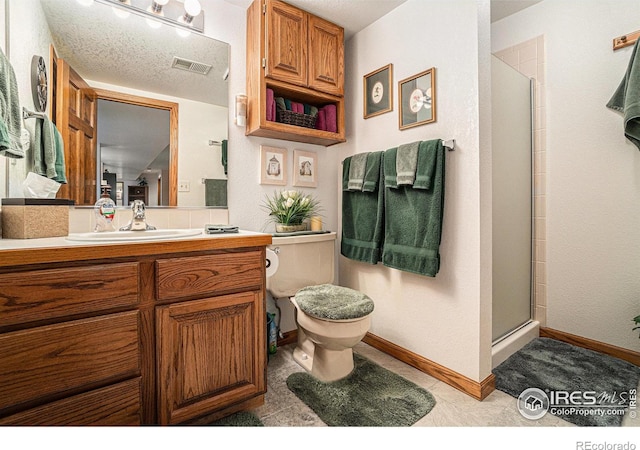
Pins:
<point x="297" y="119"/>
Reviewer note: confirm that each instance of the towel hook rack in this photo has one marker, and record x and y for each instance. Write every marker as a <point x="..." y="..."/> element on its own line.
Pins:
<point x="449" y="144"/>
<point x="26" y="114"/>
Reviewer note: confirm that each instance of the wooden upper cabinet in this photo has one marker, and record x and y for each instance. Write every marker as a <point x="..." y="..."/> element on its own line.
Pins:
<point x="303" y="49"/>
<point x="286" y="43"/>
<point x="326" y="56"/>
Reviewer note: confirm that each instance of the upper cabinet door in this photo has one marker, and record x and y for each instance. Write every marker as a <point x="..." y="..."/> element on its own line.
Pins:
<point x="326" y="56"/>
<point x="286" y="43"/>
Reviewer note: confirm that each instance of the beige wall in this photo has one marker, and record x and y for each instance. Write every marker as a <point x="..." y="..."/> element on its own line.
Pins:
<point x="592" y="172"/>
<point x="446" y="319"/>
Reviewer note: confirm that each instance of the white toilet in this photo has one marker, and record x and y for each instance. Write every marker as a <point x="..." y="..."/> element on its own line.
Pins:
<point x="331" y="319"/>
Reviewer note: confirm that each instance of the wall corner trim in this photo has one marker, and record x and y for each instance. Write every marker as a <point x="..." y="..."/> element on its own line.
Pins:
<point x="590" y="344"/>
<point x="478" y="390"/>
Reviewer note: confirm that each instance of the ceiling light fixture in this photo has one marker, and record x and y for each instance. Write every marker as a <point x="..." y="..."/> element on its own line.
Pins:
<point x="187" y="15"/>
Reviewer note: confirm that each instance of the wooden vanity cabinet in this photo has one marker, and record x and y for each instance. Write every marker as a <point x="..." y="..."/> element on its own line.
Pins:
<point x="164" y="333"/>
<point x="70" y="346"/>
<point x="300" y="57"/>
<point x="212" y="350"/>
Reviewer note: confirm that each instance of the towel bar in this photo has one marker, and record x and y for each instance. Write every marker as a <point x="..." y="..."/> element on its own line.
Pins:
<point x="26" y="114"/>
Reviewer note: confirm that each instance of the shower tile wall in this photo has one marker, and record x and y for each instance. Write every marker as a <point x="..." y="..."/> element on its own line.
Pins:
<point x="528" y="58"/>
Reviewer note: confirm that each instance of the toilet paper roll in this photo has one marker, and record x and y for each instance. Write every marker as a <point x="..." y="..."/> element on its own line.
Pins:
<point x="271" y="262"/>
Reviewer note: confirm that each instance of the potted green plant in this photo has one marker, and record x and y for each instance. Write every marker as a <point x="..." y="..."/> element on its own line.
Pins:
<point x="290" y="209"/>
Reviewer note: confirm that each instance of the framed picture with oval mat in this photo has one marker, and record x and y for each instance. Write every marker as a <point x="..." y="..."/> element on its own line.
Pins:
<point x="417" y="99"/>
<point x="378" y="91"/>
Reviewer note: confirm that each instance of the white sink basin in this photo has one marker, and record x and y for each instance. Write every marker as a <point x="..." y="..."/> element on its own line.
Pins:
<point x="147" y="235"/>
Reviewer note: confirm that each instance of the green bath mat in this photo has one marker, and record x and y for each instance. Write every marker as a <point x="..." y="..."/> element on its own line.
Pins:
<point x="239" y="419"/>
<point x="601" y="384"/>
<point x="370" y="396"/>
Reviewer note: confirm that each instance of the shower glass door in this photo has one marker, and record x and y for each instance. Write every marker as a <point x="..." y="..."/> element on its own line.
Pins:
<point x="512" y="198"/>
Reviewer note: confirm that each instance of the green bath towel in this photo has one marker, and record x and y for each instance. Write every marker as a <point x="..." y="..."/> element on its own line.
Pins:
<point x="357" y="169"/>
<point x="10" y="111"/>
<point x="413" y="217"/>
<point x="406" y="163"/>
<point x="363" y="213"/>
<point x="48" y="151"/>
<point x="626" y="99"/>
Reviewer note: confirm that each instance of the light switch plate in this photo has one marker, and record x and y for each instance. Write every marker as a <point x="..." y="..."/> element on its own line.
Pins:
<point x="184" y="186"/>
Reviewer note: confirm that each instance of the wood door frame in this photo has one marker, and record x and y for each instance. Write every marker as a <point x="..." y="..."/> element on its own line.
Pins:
<point x="130" y="99"/>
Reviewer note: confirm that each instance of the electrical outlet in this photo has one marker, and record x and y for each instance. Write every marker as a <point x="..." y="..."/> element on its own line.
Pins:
<point x="184" y="186"/>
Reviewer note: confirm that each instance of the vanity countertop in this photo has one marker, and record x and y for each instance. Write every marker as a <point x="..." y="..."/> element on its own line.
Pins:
<point x="15" y="252"/>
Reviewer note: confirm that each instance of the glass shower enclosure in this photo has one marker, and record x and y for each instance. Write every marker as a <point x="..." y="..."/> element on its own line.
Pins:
<point x="512" y="175"/>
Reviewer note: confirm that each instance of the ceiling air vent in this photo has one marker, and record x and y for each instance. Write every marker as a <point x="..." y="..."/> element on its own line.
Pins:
<point x="190" y="66"/>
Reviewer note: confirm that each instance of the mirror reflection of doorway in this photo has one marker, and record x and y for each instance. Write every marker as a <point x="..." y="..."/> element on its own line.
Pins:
<point x="133" y="143"/>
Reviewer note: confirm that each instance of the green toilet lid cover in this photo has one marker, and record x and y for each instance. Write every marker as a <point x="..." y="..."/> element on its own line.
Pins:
<point x="327" y="301"/>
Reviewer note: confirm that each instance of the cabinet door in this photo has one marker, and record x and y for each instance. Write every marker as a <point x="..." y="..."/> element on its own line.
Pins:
<point x="286" y="43"/>
<point x="326" y="56"/>
<point x="211" y="354"/>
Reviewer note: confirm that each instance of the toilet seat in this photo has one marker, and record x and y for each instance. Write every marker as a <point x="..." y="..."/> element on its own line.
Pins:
<point x="333" y="303"/>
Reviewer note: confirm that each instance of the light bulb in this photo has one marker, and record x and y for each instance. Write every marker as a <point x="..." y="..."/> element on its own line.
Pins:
<point x="156" y="6"/>
<point x="192" y="7"/>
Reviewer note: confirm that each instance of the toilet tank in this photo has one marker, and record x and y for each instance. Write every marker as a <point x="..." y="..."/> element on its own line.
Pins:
<point x="304" y="260"/>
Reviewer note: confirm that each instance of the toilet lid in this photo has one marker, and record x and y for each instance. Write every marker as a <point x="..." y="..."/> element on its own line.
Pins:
<point x="327" y="301"/>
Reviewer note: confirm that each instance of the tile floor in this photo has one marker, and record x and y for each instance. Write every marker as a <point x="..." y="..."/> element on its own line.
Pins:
<point x="453" y="408"/>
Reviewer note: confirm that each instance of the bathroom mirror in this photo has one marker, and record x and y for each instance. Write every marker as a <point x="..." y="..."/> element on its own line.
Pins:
<point x="117" y="51"/>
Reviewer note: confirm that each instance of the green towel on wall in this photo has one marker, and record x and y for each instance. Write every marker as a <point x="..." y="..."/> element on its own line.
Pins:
<point x="413" y="217"/>
<point x="357" y="169"/>
<point x="215" y="193"/>
<point x="225" y="155"/>
<point x="363" y="213"/>
<point x="10" y="111"/>
<point x="48" y="151"/>
<point x="626" y="99"/>
<point x="406" y="163"/>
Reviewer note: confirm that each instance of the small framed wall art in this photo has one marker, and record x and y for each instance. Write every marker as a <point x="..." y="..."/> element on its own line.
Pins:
<point x="273" y="165"/>
<point x="378" y="91"/>
<point x="305" y="171"/>
<point x="417" y="99"/>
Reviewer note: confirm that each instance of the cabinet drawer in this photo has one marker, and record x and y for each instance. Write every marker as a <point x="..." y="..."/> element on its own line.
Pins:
<point x="209" y="275"/>
<point x="58" y="358"/>
<point x="46" y="294"/>
<point x="115" y="405"/>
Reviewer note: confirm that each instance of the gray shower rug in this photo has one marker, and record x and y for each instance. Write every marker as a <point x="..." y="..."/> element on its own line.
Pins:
<point x="581" y="386"/>
<point x="370" y="396"/>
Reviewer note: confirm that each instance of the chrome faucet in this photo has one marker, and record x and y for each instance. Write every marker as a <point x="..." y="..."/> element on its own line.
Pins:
<point x="139" y="220"/>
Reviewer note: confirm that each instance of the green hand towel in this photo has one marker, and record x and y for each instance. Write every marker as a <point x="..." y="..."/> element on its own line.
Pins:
<point x="60" y="168"/>
<point x="406" y="163"/>
<point x="225" y="155"/>
<point x="426" y="166"/>
<point x="362" y="217"/>
<point x="389" y="168"/>
<point x="48" y="147"/>
<point x="10" y="111"/>
<point x="215" y="192"/>
<point x="413" y="222"/>
<point x="356" y="171"/>
<point x="372" y="173"/>
<point x="626" y="99"/>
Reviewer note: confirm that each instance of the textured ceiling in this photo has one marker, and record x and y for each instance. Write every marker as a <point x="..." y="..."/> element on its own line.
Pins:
<point x="103" y="47"/>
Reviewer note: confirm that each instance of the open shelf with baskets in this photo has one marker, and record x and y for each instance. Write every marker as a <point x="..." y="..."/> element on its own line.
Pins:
<point x="258" y="82"/>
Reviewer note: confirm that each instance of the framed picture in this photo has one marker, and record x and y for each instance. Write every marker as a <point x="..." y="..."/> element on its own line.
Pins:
<point x="273" y="165"/>
<point x="378" y="91"/>
<point x="417" y="98"/>
<point x="305" y="172"/>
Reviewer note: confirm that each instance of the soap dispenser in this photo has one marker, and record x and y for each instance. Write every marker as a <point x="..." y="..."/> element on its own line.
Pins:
<point x="105" y="210"/>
